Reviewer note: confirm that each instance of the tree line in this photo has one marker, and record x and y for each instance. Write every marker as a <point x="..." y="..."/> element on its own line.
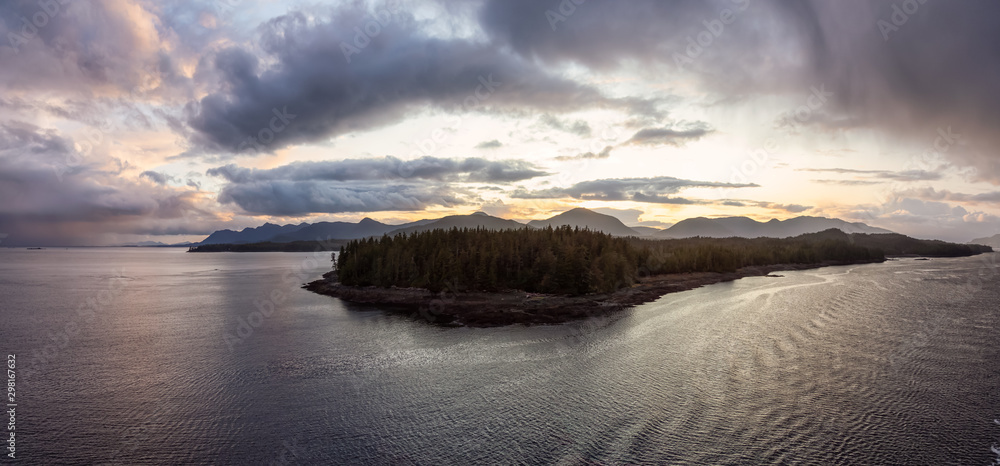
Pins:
<point x="575" y="261"/>
<point x="550" y="260"/>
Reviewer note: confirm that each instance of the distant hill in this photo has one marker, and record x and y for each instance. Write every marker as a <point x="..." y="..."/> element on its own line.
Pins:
<point x="268" y="246"/>
<point x="990" y="241"/>
<point x="895" y="244"/>
<point x="586" y="218"/>
<point x="646" y="231"/>
<point x="749" y="228"/>
<point x="251" y="235"/>
<point x="476" y="220"/>
<point x="145" y="244"/>
<point x="336" y="230"/>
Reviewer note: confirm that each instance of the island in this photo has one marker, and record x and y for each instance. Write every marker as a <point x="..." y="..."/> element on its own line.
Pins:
<point x="486" y="278"/>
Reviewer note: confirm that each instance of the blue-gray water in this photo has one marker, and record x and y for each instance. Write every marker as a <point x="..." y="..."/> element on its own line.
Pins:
<point x="134" y="356"/>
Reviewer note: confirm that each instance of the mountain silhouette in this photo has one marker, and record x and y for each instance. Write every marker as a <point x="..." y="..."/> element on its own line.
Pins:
<point x="586" y="218"/>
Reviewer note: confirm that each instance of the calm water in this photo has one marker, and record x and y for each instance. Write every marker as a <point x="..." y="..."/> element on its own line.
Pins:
<point x="134" y="356"/>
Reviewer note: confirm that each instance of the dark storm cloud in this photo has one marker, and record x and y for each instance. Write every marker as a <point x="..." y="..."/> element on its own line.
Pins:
<point x="919" y="70"/>
<point x="600" y="33"/>
<point x="364" y="185"/>
<point x="471" y="169"/>
<point x="652" y="190"/>
<point x="300" y="198"/>
<point x="910" y="68"/>
<point x="304" y="86"/>
<point x="54" y="195"/>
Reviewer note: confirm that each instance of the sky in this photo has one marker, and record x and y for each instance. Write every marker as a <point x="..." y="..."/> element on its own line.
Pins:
<point x="132" y="120"/>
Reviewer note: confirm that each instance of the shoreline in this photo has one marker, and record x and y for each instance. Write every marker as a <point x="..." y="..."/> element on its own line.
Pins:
<point x="497" y="309"/>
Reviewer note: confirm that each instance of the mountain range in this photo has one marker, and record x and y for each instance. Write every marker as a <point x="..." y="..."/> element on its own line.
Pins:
<point x="579" y="217"/>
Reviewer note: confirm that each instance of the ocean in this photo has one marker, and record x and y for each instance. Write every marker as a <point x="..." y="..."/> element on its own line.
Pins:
<point x="159" y="356"/>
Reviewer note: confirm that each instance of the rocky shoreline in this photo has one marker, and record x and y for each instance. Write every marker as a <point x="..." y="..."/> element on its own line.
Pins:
<point x="477" y="309"/>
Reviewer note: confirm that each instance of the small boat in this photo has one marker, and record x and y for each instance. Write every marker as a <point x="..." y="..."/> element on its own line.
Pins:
<point x="36" y="248"/>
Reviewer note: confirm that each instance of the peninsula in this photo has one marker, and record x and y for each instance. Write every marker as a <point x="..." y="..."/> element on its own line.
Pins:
<point x="485" y="278"/>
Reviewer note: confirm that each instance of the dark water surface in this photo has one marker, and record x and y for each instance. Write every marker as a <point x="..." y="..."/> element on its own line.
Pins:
<point x="142" y="356"/>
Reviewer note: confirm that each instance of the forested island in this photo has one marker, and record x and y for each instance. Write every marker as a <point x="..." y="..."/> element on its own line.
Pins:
<point x="481" y="277"/>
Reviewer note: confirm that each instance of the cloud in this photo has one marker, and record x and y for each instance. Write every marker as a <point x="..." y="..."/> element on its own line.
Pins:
<point x="603" y="154"/>
<point x="905" y="175"/>
<point x="990" y="197"/>
<point x="926" y="213"/>
<point x="578" y="127"/>
<point x="849" y="182"/>
<point x="627" y="216"/>
<point x="491" y="144"/>
<point x="224" y="85"/>
<point x="601" y="35"/>
<point x="364" y="185"/>
<point x="651" y="190"/>
<point x="156" y="177"/>
<point x="54" y="195"/>
<point x="302" y="71"/>
<point x="792" y="208"/>
<point x="881" y="75"/>
<point x="300" y="198"/>
<point x="670" y="136"/>
<point x="468" y="170"/>
<point x="897" y="84"/>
